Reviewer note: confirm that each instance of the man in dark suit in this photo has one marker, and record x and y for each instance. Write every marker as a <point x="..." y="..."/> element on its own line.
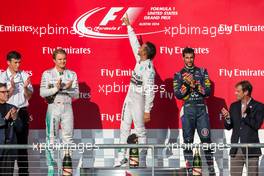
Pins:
<point x="9" y="125"/>
<point x="245" y="117"/>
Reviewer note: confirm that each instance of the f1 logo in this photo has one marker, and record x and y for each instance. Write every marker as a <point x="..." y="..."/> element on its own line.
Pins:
<point x="132" y="13"/>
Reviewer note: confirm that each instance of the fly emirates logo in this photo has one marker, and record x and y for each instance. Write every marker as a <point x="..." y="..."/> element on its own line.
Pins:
<point x="106" y="23"/>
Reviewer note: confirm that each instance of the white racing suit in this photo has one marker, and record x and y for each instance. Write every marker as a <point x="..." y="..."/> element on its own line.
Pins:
<point x="60" y="110"/>
<point x="139" y="99"/>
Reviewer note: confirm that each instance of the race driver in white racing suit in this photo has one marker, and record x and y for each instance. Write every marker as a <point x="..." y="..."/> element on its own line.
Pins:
<point x="58" y="86"/>
<point x="140" y="96"/>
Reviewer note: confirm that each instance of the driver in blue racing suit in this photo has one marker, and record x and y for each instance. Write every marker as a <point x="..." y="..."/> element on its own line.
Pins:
<point x="192" y="85"/>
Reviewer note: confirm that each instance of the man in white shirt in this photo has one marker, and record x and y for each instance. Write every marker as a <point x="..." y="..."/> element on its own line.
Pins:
<point x="20" y="91"/>
<point x="58" y="86"/>
<point x="140" y="96"/>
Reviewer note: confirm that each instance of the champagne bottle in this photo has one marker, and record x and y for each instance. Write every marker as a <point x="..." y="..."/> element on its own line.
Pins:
<point x="67" y="164"/>
<point x="197" y="163"/>
<point x="133" y="157"/>
<point x="133" y="152"/>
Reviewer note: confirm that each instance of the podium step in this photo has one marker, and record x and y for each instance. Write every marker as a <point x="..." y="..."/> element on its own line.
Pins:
<point x="132" y="172"/>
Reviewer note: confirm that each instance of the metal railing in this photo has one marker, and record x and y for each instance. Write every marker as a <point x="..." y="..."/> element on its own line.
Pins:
<point x="153" y="147"/>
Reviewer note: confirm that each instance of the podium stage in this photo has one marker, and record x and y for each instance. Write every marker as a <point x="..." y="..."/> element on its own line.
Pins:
<point x="132" y="172"/>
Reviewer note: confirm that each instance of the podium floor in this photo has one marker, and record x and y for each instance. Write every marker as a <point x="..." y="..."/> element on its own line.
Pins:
<point x="132" y="172"/>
